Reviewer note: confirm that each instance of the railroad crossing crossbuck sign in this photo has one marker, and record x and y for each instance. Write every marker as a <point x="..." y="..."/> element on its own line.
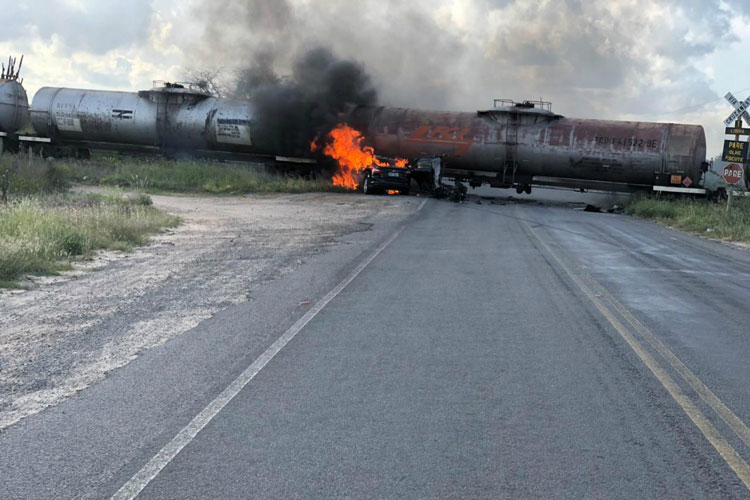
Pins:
<point x="740" y="109"/>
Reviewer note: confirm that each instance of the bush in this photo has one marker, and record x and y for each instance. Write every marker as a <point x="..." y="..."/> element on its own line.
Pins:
<point x="19" y="177"/>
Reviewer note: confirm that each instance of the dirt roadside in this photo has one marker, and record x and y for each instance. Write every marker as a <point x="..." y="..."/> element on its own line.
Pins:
<point x="70" y="331"/>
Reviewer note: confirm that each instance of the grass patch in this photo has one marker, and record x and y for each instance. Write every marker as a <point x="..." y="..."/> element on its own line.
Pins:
<point x="19" y="176"/>
<point x="697" y="216"/>
<point x="42" y="234"/>
<point x="161" y="175"/>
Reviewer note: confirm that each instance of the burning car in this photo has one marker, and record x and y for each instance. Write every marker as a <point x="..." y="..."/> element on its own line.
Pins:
<point x="358" y="165"/>
<point x="387" y="175"/>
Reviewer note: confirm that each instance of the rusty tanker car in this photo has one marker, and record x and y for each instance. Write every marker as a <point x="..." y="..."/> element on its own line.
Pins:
<point x="512" y="145"/>
<point x="517" y="145"/>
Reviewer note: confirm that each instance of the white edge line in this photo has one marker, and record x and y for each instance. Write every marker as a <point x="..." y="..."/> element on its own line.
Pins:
<point x="421" y="205"/>
<point x="143" y="477"/>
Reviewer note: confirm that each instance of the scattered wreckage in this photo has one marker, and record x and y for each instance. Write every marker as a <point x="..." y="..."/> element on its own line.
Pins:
<point x="426" y="172"/>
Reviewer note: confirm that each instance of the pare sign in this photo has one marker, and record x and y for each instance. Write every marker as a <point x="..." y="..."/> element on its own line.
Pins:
<point x="733" y="173"/>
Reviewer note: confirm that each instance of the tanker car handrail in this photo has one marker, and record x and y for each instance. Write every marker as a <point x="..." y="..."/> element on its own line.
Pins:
<point x="528" y="104"/>
<point x="179" y="87"/>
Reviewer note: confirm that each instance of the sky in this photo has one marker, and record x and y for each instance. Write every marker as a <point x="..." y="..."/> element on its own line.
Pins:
<point x="650" y="60"/>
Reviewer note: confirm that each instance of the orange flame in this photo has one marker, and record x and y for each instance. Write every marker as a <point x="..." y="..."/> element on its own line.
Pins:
<point x="346" y="146"/>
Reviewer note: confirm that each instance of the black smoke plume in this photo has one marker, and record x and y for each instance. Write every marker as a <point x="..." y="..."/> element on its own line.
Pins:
<point x="291" y="111"/>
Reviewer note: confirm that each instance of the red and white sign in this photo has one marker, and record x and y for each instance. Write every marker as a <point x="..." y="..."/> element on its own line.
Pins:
<point x="733" y="173"/>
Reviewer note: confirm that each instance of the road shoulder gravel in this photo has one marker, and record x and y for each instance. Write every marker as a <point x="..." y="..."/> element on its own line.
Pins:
<point x="70" y="331"/>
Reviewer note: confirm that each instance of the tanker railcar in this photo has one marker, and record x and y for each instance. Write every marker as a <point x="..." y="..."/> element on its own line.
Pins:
<point x="167" y="118"/>
<point x="14" y="104"/>
<point x="524" y="144"/>
<point x="173" y="119"/>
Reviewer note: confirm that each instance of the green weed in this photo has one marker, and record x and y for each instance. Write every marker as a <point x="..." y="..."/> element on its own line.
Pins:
<point x="698" y="216"/>
<point x="161" y="175"/>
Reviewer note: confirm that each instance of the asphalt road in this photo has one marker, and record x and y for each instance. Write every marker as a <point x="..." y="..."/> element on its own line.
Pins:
<point x="496" y="350"/>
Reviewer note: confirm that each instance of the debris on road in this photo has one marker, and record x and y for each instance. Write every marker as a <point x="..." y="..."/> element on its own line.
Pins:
<point x="592" y="208"/>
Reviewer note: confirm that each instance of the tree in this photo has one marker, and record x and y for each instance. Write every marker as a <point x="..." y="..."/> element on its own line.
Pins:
<point x="207" y="79"/>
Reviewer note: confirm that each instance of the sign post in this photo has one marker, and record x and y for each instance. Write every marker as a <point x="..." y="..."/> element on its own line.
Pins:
<point x="735" y="151"/>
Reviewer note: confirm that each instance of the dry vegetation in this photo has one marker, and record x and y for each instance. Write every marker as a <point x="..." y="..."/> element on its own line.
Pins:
<point x="41" y="234"/>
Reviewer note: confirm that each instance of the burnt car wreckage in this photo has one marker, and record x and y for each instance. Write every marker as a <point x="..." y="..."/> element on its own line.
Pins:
<point x="387" y="175"/>
<point x="512" y="145"/>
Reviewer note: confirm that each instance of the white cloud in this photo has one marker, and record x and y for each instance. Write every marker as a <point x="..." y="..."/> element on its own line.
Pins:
<point x="94" y="44"/>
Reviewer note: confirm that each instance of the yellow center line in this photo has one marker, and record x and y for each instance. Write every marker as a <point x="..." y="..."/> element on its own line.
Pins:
<point x="727" y="415"/>
<point x="714" y="437"/>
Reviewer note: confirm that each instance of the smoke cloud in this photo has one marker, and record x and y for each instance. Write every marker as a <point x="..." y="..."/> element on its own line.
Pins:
<point x="610" y="59"/>
<point x="299" y="90"/>
<point x="292" y="110"/>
